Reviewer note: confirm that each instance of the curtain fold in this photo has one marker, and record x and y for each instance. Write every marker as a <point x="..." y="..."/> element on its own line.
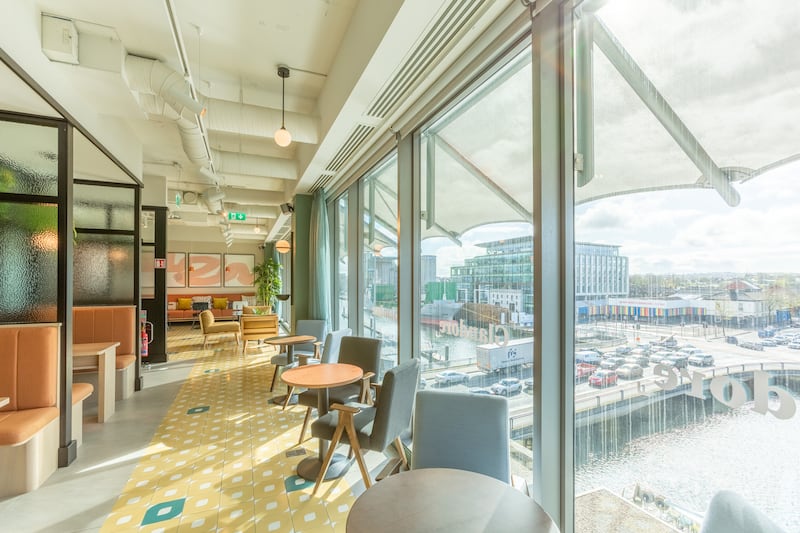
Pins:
<point x="319" y="268"/>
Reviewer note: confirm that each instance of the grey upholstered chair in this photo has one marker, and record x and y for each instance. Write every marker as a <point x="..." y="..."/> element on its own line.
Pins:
<point x="461" y="430"/>
<point x="363" y="352"/>
<point x="371" y="427"/>
<point x="330" y="354"/>
<point x="315" y="328"/>
<point x="728" y="512"/>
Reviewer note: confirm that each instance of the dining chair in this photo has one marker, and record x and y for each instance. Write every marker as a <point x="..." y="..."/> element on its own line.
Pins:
<point x="461" y="430"/>
<point x="363" y="352"/>
<point x="330" y="354"/>
<point x="370" y="427"/>
<point x="315" y="328"/>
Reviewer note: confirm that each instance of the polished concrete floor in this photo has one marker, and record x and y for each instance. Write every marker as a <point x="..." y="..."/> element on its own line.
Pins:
<point x="200" y="448"/>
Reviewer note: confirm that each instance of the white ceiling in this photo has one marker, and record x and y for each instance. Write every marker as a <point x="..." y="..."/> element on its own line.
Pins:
<point x="343" y="56"/>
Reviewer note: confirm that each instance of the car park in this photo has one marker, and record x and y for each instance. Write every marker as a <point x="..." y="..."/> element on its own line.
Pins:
<point x="768" y="343"/>
<point x="603" y="378"/>
<point x="506" y="387"/>
<point x="587" y="356"/>
<point x="583" y="371"/>
<point x="794" y="345"/>
<point x="658" y="356"/>
<point x="701" y="359"/>
<point x="630" y="371"/>
<point x="623" y="350"/>
<point x="449" y="377"/>
<point x="678" y="361"/>
<point x="752" y="345"/>
<point x="641" y="360"/>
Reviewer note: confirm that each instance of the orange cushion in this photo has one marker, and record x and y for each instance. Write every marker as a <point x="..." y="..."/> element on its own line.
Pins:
<point x="184" y="304"/>
<point x="220" y="303"/>
<point x="16" y="427"/>
<point x="81" y="391"/>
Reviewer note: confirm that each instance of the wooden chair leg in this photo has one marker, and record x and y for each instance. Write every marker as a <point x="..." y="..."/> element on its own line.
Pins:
<point x="356" y="447"/>
<point x="288" y="397"/>
<point x="205" y="341"/>
<point x="398" y="444"/>
<point x="337" y="435"/>
<point x="305" y="425"/>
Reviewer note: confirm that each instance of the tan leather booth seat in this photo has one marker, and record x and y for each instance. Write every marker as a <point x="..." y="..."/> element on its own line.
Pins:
<point x="110" y="323"/>
<point x="29" y="423"/>
<point x="257" y="327"/>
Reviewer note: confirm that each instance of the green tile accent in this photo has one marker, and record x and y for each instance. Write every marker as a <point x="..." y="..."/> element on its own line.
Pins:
<point x="293" y="483"/>
<point x="211" y="371"/>
<point x="198" y="409"/>
<point x="163" y="511"/>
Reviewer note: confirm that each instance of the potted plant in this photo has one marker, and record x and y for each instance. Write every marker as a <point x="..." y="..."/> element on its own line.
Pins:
<point x="267" y="277"/>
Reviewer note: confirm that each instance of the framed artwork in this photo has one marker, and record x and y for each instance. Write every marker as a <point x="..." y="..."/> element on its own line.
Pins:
<point x="239" y="270"/>
<point x="205" y="270"/>
<point x="176" y="269"/>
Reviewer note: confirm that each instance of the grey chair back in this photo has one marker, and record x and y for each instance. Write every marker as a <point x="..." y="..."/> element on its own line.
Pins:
<point x="364" y="352"/>
<point x="461" y="430"/>
<point x="395" y="404"/>
<point x="316" y="328"/>
<point x="333" y="342"/>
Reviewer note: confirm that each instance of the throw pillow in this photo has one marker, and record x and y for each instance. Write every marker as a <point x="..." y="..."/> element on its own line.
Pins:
<point x="184" y="304"/>
<point x="220" y="303"/>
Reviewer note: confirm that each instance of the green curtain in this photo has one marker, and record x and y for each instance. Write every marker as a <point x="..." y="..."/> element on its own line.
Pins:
<point x="319" y="268"/>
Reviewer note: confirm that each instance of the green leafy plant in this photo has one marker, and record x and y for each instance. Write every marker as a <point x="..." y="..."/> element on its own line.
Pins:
<point x="267" y="277"/>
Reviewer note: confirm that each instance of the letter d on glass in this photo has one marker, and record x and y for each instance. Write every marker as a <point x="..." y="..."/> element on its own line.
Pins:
<point x="762" y="389"/>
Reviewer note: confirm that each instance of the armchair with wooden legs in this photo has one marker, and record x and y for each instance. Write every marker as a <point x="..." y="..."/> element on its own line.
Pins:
<point x="366" y="427"/>
<point x="362" y="352"/>
<point x="209" y="327"/>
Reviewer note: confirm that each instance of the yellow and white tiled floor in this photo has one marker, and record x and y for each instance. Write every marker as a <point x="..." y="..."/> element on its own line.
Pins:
<point x="224" y="457"/>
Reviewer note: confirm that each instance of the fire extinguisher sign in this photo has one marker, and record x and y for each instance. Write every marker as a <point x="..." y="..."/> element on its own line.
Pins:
<point x="160" y="263"/>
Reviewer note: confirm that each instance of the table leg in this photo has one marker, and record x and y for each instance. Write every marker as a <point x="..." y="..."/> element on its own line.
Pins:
<point x="309" y="467"/>
<point x="106" y="384"/>
<point x="280" y="400"/>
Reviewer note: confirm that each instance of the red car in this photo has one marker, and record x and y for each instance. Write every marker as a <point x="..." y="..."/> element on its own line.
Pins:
<point x="603" y="378"/>
<point x="583" y="371"/>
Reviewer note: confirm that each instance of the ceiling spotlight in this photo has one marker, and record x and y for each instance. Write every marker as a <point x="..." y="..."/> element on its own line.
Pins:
<point x="282" y="136"/>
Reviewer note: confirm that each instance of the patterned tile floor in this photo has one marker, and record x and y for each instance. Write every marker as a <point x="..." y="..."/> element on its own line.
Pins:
<point x="224" y="458"/>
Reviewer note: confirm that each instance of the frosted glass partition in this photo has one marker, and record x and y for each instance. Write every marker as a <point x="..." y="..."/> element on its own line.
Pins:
<point x="28" y="159"/>
<point x="103" y="269"/>
<point x="28" y="262"/>
<point x="99" y="207"/>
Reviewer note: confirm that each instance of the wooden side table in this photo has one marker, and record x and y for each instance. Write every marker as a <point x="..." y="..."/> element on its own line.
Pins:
<point x="99" y="356"/>
<point x="322" y="377"/>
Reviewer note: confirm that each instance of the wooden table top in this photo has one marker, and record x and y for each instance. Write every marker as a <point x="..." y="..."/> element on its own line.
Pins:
<point x="322" y="375"/>
<point x="290" y="339"/>
<point x="92" y="348"/>
<point x="4" y="401"/>
<point x="444" y="499"/>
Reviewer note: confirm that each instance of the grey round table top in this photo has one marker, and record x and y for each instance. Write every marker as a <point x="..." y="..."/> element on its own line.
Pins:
<point x="445" y="500"/>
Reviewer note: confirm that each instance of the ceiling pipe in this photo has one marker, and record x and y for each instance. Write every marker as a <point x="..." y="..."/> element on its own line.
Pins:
<point x="258" y="121"/>
<point x="254" y="165"/>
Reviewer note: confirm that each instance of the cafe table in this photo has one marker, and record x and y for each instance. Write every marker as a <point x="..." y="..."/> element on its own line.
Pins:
<point x="100" y="357"/>
<point x="321" y="377"/>
<point x="445" y="499"/>
<point x="289" y="341"/>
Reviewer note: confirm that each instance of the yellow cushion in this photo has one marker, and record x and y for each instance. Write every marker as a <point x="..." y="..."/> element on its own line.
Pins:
<point x="184" y="304"/>
<point x="220" y="303"/>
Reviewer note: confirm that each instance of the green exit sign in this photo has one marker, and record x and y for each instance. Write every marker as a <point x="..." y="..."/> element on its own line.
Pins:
<point x="237" y="216"/>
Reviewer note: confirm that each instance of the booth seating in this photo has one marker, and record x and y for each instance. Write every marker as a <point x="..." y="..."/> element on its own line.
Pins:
<point x="179" y="306"/>
<point x="80" y="391"/>
<point x="29" y="442"/>
<point x="112" y="323"/>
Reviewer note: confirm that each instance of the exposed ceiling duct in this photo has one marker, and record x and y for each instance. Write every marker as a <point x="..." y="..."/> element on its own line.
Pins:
<point x="212" y="198"/>
<point x="254" y="165"/>
<point x="258" y="121"/>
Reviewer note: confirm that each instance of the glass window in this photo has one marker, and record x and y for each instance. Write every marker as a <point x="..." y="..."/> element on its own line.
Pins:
<point x="28" y="262"/>
<point x="103" y="272"/>
<point x="340" y="271"/>
<point x="379" y="257"/>
<point x="28" y="159"/>
<point x="99" y="207"/>
<point x="476" y="265"/>
<point x="687" y="224"/>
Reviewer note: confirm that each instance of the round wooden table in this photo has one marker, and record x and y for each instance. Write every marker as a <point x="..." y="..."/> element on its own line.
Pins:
<point x="321" y="377"/>
<point x="444" y="499"/>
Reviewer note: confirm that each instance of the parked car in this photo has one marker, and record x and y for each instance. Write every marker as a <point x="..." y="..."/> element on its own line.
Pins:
<point x="794" y="345"/>
<point x="678" y="361"/>
<point x="641" y="360"/>
<point x="587" y="356"/>
<point x="583" y="371"/>
<point x="769" y="343"/>
<point x="701" y="359"/>
<point x="752" y="345"/>
<point x="603" y="378"/>
<point x="623" y="350"/>
<point x="612" y="363"/>
<point x="658" y="356"/>
<point x="506" y="387"/>
<point x="630" y="371"/>
<point x="449" y="377"/>
<point x="527" y="384"/>
<point x="477" y="390"/>
<point x="689" y="351"/>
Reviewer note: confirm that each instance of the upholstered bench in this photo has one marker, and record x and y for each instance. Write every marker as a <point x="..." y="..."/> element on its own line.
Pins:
<point x="112" y="323"/>
<point x="29" y="423"/>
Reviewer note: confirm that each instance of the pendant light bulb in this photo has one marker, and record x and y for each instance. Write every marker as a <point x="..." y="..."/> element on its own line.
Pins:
<point x="282" y="136"/>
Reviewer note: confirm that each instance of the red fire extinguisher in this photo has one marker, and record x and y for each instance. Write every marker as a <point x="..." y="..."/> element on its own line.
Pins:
<point x="145" y="340"/>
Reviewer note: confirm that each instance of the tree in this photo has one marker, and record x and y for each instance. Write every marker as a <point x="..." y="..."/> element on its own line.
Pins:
<point x="267" y="277"/>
